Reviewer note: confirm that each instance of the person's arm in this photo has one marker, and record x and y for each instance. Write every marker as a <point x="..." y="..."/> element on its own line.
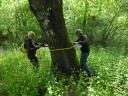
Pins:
<point x="41" y="44"/>
<point x="83" y="40"/>
<point x="80" y="41"/>
<point x="30" y="46"/>
<point x="76" y="42"/>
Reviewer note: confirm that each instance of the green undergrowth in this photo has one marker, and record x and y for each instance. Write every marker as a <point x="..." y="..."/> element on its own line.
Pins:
<point x="17" y="77"/>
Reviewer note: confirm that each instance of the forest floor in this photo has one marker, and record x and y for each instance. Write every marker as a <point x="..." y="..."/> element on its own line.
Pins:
<point x="18" y="79"/>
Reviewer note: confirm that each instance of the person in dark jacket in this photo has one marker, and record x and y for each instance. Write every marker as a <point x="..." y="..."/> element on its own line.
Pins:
<point x="31" y="47"/>
<point x="85" y="49"/>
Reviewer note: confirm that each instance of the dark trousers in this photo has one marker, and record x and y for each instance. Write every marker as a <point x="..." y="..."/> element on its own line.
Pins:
<point x="83" y="63"/>
<point x="34" y="61"/>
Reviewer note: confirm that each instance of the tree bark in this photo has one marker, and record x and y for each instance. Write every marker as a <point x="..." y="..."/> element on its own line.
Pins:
<point x="49" y="14"/>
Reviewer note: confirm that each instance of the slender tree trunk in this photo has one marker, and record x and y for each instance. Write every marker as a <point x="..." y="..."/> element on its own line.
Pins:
<point x="49" y="14"/>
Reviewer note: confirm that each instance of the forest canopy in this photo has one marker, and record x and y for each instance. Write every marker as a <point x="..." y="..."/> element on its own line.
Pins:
<point x="104" y="21"/>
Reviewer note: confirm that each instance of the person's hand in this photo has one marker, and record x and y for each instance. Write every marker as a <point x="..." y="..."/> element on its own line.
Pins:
<point x="38" y="46"/>
<point x="46" y="45"/>
<point x="77" y="45"/>
<point x="75" y="42"/>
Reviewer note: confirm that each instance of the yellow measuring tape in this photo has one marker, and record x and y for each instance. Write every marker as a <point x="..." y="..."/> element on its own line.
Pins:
<point x="61" y="49"/>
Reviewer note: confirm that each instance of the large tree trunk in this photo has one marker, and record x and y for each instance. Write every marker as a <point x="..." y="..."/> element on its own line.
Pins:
<point x="49" y="14"/>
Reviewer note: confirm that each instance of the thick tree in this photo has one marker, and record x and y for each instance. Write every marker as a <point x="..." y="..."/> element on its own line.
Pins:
<point x="49" y="14"/>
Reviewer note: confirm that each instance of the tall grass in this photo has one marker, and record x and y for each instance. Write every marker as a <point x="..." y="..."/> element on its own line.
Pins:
<point x="17" y="77"/>
<point x="112" y="73"/>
